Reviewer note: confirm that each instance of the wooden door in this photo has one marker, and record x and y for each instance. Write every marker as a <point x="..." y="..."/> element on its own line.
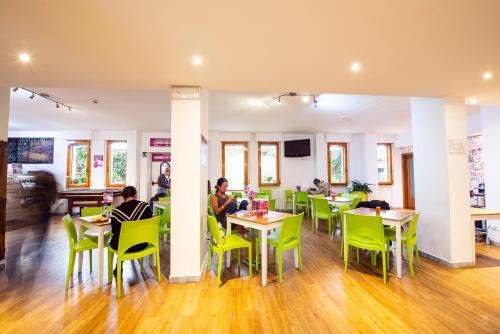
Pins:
<point x="408" y="181"/>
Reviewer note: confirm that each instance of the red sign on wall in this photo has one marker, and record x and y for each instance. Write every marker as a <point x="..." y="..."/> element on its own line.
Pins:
<point x="159" y="142"/>
<point x="160" y="157"/>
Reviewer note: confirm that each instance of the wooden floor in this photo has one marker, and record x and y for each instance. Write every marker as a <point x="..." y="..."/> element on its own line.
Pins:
<point x="321" y="299"/>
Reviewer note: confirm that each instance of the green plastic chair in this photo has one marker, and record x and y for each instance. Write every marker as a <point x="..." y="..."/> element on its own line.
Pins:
<point x="356" y="199"/>
<point x="272" y="204"/>
<point x="312" y="203"/>
<point x="262" y="196"/>
<point x="408" y="238"/>
<point x="133" y="233"/>
<point x="76" y="246"/>
<point x="267" y="192"/>
<point x="288" y="198"/>
<point x="287" y="238"/>
<point x="366" y="232"/>
<point x="210" y="210"/>
<point x="302" y="201"/>
<point x="165" y="222"/>
<point x="322" y="211"/>
<point x="340" y="210"/>
<point x="236" y="194"/>
<point x="164" y="198"/>
<point x="94" y="211"/>
<point x="219" y="246"/>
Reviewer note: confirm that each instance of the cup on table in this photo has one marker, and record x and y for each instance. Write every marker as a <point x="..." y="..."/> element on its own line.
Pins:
<point x="377" y="210"/>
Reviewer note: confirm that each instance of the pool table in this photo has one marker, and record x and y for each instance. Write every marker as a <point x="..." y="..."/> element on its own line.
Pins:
<point x="85" y="197"/>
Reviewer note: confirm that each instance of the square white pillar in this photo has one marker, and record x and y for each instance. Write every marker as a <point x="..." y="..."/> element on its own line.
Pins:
<point x="4" y="129"/>
<point x="441" y="180"/>
<point x="189" y="189"/>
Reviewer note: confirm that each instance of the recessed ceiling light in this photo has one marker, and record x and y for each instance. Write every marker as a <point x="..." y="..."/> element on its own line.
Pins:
<point x="355" y="67"/>
<point x="24" y="57"/>
<point x="197" y="60"/>
<point x="487" y="75"/>
<point x="472" y="100"/>
<point x="306" y="98"/>
<point x="266" y="105"/>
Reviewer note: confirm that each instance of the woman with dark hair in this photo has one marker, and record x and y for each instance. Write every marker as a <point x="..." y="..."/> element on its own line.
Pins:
<point x="131" y="209"/>
<point x="223" y="204"/>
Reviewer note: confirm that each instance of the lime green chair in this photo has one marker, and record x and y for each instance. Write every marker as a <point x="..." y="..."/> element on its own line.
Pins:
<point x="262" y="196"/>
<point x="267" y="192"/>
<point x="76" y="246"/>
<point x="133" y="233"/>
<point x="365" y="232"/>
<point x="288" y="198"/>
<point x="322" y="211"/>
<point x="272" y="204"/>
<point x="236" y="194"/>
<point x="164" y="198"/>
<point x="221" y="245"/>
<point x="302" y="201"/>
<point x="408" y="238"/>
<point x="340" y="211"/>
<point x="210" y="210"/>
<point x="165" y="222"/>
<point x="94" y="211"/>
<point x="287" y="238"/>
<point x="311" y="203"/>
<point x="356" y="198"/>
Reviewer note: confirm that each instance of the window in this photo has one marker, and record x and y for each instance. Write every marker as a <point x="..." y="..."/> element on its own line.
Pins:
<point x="269" y="163"/>
<point x="235" y="164"/>
<point x="384" y="164"/>
<point x="78" y="164"/>
<point x="337" y="164"/>
<point x="116" y="163"/>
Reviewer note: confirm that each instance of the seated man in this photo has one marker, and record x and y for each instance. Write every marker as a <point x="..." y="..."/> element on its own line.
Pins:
<point x="321" y="188"/>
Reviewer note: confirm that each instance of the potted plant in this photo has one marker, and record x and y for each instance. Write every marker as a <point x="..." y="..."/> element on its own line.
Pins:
<point x="362" y="189"/>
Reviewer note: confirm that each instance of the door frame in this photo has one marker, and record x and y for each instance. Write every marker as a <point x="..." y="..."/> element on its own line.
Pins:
<point x="404" y="163"/>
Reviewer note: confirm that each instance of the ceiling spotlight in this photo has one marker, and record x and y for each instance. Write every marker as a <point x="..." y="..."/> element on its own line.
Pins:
<point x="266" y="105"/>
<point x="472" y="101"/>
<point x="355" y="67"/>
<point x="57" y="105"/>
<point x="315" y="103"/>
<point x="197" y="60"/>
<point x="69" y="109"/>
<point x="487" y="75"/>
<point x="24" y="57"/>
<point x="306" y="98"/>
<point x="279" y="99"/>
<point x="15" y="89"/>
<point x="32" y="96"/>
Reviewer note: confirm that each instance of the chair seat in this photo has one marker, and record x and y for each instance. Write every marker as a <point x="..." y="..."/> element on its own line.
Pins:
<point x="365" y="242"/>
<point x="92" y="235"/>
<point x="322" y="215"/>
<point x="150" y="249"/>
<point x="391" y="235"/>
<point x="85" y="244"/>
<point x="301" y="203"/>
<point x="233" y="241"/>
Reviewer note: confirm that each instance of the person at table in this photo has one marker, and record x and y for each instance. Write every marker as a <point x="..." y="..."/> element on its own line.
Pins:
<point x="222" y="204"/>
<point x="131" y="209"/>
<point x="321" y="188"/>
<point x="164" y="182"/>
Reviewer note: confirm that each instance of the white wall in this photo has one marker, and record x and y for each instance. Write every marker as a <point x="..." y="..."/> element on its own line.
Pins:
<point x="98" y="146"/>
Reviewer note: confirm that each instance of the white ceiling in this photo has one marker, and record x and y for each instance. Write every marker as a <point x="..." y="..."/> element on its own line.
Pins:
<point x="407" y="48"/>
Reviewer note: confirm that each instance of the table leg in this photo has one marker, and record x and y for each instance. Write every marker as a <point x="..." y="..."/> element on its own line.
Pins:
<point x="264" y="257"/>
<point x="296" y="257"/>
<point x="228" y="253"/>
<point x="345" y="239"/>
<point x="398" y="251"/>
<point x="80" y="254"/>
<point x="100" y="250"/>
<point x="293" y="204"/>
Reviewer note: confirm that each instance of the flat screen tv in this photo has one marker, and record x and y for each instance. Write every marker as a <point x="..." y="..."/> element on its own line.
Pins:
<point x="298" y="148"/>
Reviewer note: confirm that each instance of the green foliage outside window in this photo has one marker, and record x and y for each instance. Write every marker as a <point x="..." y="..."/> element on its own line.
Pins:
<point x="80" y="165"/>
<point x="119" y="167"/>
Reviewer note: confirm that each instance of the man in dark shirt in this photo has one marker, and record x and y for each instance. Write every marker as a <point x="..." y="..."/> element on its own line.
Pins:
<point x="164" y="182"/>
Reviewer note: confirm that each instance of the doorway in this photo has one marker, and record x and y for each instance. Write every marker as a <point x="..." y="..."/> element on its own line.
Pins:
<point x="408" y="181"/>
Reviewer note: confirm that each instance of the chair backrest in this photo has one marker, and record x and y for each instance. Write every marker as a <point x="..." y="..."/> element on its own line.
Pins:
<point x="365" y="226"/>
<point x="165" y="216"/>
<point x="322" y="206"/>
<point x="318" y="195"/>
<point x="356" y="198"/>
<point x="70" y="229"/>
<point x="164" y="199"/>
<point x="236" y="194"/>
<point x="411" y="234"/>
<point x="290" y="230"/>
<point x="93" y="211"/>
<point x="268" y="192"/>
<point x="210" y="210"/>
<point x="213" y="228"/>
<point x="301" y="196"/>
<point x="343" y="208"/>
<point x="288" y="193"/>
<point x="272" y="204"/>
<point x="262" y="196"/>
<point x="137" y="232"/>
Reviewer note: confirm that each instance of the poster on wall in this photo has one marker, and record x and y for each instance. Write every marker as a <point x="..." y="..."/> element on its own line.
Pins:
<point x="31" y="150"/>
<point x="204" y="151"/>
<point x="160" y="157"/>
<point x="98" y="160"/>
<point x="159" y="142"/>
<point x="17" y="168"/>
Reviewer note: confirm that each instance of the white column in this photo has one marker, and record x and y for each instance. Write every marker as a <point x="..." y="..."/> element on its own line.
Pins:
<point x="441" y="179"/>
<point x="189" y="189"/>
<point x="490" y="119"/>
<point x="321" y="157"/>
<point x="4" y="129"/>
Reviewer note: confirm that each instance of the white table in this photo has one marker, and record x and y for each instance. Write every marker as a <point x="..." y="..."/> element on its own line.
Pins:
<point x="480" y="214"/>
<point x="391" y="218"/>
<point x="100" y="229"/>
<point x="160" y="204"/>
<point x="274" y="219"/>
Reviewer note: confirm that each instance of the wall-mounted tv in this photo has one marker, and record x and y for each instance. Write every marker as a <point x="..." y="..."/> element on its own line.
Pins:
<point x="298" y="148"/>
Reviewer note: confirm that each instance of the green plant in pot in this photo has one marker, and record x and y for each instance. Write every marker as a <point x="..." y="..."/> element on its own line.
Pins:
<point x="362" y="189"/>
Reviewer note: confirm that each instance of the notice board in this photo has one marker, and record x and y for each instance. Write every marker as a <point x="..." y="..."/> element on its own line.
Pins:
<point x="31" y="150"/>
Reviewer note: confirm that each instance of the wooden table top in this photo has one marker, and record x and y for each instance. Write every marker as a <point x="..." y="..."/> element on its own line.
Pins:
<point x="272" y="217"/>
<point x="385" y="214"/>
<point x="88" y="219"/>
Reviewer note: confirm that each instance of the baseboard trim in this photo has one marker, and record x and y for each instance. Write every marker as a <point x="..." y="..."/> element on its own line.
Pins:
<point x="446" y="262"/>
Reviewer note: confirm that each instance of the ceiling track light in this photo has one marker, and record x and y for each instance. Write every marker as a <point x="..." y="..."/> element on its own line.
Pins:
<point x="305" y="98"/>
<point x="43" y="95"/>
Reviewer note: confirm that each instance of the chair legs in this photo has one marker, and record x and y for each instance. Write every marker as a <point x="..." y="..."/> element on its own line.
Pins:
<point x="90" y="259"/>
<point x="209" y="262"/>
<point x="346" y="257"/>
<point x="110" y="265"/>
<point x="299" y="254"/>
<point x="417" y="256"/>
<point x="158" y="270"/>
<point x="239" y="262"/>
<point x="71" y="265"/>
<point x="384" y="271"/>
<point x="280" y="266"/>
<point x="219" y="268"/>
<point x="119" y="278"/>
<point x="249" y="260"/>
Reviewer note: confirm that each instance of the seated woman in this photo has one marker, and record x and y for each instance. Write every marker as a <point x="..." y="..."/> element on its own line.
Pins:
<point x="223" y="204"/>
<point x="131" y="209"/>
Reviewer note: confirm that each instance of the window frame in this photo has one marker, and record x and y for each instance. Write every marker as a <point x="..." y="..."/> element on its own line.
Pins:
<point x="229" y="143"/>
<point x="346" y="169"/>
<point x="69" y="164"/>
<point x="389" y="159"/>
<point x="108" y="167"/>
<point x="278" y="180"/>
